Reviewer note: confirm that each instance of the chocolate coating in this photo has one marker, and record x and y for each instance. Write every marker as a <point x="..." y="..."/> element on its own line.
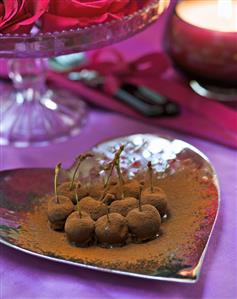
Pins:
<point x="131" y="189"/>
<point x="114" y="190"/>
<point x="109" y="198"/>
<point x="59" y="211"/>
<point x="112" y="232"/>
<point x="64" y="189"/>
<point x="95" y="208"/>
<point x="158" y="199"/>
<point x="79" y="229"/>
<point x="96" y="190"/>
<point x="144" y="225"/>
<point x="123" y="206"/>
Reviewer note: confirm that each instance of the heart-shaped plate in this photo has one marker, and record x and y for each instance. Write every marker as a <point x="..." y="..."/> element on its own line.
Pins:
<point x="177" y="254"/>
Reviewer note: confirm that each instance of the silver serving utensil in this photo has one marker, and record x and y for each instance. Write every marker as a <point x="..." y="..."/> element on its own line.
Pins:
<point x="142" y="99"/>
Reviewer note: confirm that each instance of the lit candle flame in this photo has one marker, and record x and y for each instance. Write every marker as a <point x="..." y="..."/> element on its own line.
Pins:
<point x="227" y="11"/>
<point x="220" y="15"/>
<point x="224" y="8"/>
<point x="236" y="17"/>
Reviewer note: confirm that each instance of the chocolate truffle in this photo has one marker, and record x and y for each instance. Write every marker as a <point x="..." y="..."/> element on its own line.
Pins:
<point x="144" y="224"/>
<point x="95" y="208"/>
<point x="114" y="190"/>
<point x="123" y="206"/>
<point x="96" y="190"/>
<point x="64" y="189"/>
<point x="108" y="199"/>
<point x="157" y="198"/>
<point x="79" y="228"/>
<point x="58" y="210"/>
<point x="131" y="189"/>
<point x="111" y="229"/>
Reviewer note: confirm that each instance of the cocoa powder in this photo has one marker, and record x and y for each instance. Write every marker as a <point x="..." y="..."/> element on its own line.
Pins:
<point x="192" y="208"/>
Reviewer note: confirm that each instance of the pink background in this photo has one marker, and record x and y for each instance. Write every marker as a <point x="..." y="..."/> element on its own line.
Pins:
<point x="27" y="277"/>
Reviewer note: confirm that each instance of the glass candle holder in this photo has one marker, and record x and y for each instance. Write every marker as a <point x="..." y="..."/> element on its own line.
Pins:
<point x="202" y="42"/>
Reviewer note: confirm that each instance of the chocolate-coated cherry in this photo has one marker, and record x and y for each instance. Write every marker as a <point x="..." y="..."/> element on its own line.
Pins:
<point x="59" y="206"/>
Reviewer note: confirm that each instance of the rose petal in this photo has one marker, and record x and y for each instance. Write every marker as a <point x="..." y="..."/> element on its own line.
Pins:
<point x="81" y="13"/>
<point x="22" y="17"/>
<point x="52" y="23"/>
<point x="9" y="9"/>
<point x="75" y="9"/>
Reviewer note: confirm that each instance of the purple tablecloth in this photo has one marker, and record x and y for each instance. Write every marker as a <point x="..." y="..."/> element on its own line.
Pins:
<point x="27" y="277"/>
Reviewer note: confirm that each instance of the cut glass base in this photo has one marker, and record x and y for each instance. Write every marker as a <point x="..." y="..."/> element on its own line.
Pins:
<point x="56" y="116"/>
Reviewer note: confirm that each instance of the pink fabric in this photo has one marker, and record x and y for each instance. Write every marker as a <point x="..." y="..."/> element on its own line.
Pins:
<point x="29" y="277"/>
<point x="199" y="116"/>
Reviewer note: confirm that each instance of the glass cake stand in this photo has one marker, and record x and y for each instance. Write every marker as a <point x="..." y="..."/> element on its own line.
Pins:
<point x="32" y="114"/>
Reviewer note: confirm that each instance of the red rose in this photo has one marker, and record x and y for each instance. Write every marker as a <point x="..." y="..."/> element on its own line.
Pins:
<point x="67" y="14"/>
<point x="20" y="15"/>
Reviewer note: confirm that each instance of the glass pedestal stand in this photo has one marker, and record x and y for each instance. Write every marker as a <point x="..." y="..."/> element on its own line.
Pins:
<point x="32" y="114"/>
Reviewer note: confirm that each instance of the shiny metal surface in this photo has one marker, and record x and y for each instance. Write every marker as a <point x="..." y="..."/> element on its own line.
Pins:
<point x="168" y="157"/>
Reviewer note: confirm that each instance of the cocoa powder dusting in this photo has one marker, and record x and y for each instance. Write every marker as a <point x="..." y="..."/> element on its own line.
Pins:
<point x="191" y="205"/>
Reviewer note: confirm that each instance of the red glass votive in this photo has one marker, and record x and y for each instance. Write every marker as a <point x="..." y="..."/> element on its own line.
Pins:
<point x="204" y="53"/>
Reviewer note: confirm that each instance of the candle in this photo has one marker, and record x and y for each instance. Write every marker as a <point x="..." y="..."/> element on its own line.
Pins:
<point x="210" y="14"/>
<point x="202" y="40"/>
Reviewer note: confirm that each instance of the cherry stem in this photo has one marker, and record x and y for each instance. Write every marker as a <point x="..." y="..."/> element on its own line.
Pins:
<point x="118" y="169"/>
<point x="77" y="200"/>
<point x="79" y="160"/>
<point x="106" y="184"/>
<point x="150" y="172"/>
<point x="120" y="177"/>
<point x="111" y="168"/>
<point x="104" y="197"/>
<point x="56" y="173"/>
<point x="112" y="164"/>
<point x="107" y="214"/>
<point x="139" y="199"/>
